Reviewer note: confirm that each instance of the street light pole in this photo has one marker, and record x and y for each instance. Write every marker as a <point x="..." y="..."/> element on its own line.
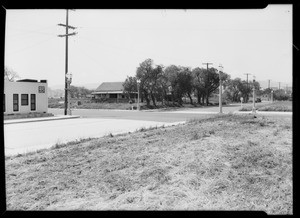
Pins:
<point x="138" y="100"/>
<point x="69" y="81"/>
<point x="220" y="89"/>
<point x="253" y="109"/>
<point x="272" y="97"/>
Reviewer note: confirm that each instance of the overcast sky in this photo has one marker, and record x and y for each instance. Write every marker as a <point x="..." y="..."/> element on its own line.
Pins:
<point x="110" y="44"/>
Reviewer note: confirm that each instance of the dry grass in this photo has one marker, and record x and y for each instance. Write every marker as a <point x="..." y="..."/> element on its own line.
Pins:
<point x="226" y="162"/>
<point x="285" y="106"/>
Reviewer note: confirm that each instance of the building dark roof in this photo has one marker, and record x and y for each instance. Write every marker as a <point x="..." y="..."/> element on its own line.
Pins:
<point x="32" y="80"/>
<point x="110" y="86"/>
<point x="27" y="80"/>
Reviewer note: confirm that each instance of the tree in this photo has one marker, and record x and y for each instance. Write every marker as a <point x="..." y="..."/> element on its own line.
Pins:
<point x="198" y="84"/>
<point x="130" y="86"/>
<point x="185" y="82"/>
<point x="10" y="74"/>
<point x="280" y="95"/>
<point x="154" y="85"/>
<point x="233" y="92"/>
<point x="211" y="82"/>
<point x="151" y="78"/>
<point x="143" y="73"/>
<point x="78" y="92"/>
<point x="245" y="90"/>
<point x="171" y="73"/>
<point x="181" y="81"/>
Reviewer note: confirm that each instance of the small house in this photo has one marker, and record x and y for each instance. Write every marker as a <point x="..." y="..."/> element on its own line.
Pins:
<point x="110" y="92"/>
<point x="25" y="96"/>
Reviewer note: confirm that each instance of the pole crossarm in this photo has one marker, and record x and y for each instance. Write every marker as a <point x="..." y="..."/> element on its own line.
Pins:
<point x="70" y="34"/>
<point x="207" y="64"/>
<point x="71" y="27"/>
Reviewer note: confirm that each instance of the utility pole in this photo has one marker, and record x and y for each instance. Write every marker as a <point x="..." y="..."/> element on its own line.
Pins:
<point x="207" y="79"/>
<point x="247" y="78"/>
<point x="269" y="84"/>
<point x="279" y="85"/>
<point x="207" y="65"/>
<point x="66" y="67"/>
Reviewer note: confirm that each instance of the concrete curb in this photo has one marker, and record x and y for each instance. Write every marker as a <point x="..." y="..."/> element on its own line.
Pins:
<point x="39" y="119"/>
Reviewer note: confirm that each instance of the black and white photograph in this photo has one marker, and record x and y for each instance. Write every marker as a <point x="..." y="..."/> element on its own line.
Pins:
<point x="149" y="109"/>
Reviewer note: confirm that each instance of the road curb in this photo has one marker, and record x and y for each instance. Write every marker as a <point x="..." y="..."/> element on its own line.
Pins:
<point x="41" y="119"/>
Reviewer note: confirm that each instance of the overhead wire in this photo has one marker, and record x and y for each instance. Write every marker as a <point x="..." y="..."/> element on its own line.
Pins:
<point x="31" y="46"/>
<point x="29" y="31"/>
<point x="93" y="59"/>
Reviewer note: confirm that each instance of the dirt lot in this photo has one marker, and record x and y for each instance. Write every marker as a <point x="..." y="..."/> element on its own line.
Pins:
<point x="226" y="162"/>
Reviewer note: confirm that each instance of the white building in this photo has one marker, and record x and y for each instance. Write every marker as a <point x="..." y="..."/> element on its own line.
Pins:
<point x="25" y="96"/>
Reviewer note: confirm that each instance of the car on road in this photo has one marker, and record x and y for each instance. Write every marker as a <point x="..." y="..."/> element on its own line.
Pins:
<point x="258" y="100"/>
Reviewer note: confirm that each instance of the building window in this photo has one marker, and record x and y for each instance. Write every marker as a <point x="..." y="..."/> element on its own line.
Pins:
<point x="113" y="95"/>
<point x="15" y="102"/>
<point x="24" y="99"/>
<point x="32" y="102"/>
<point x="41" y="89"/>
<point x="3" y="102"/>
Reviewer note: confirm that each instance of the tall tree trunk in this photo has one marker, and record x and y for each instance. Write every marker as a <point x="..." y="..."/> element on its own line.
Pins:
<point x="191" y="100"/>
<point x="147" y="98"/>
<point x="207" y="102"/>
<point x="153" y="99"/>
<point x="172" y="96"/>
<point x="198" y="97"/>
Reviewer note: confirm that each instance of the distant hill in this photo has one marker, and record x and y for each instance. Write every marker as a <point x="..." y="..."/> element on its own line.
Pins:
<point x="55" y="93"/>
<point x="91" y="86"/>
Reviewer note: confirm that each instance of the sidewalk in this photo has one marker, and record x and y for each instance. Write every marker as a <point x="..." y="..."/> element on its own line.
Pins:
<point x="37" y="119"/>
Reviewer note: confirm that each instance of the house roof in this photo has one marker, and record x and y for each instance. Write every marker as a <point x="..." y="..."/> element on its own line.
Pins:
<point x="110" y="87"/>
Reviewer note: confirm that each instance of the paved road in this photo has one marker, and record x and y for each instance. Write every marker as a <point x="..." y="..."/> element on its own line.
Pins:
<point x="160" y="116"/>
<point x="24" y="137"/>
<point x="30" y="136"/>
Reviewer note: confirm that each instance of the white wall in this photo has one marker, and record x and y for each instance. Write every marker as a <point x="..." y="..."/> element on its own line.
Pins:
<point x="19" y="88"/>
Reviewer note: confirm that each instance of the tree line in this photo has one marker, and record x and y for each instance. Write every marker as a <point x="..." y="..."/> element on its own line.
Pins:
<point x="163" y="84"/>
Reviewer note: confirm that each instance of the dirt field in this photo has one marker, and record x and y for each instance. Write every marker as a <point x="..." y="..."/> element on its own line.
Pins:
<point x="226" y="162"/>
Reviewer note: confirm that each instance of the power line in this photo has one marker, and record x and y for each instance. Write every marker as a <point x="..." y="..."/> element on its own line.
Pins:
<point x="31" y="31"/>
<point x="28" y="47"/>
<point x="93" y="60"/>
